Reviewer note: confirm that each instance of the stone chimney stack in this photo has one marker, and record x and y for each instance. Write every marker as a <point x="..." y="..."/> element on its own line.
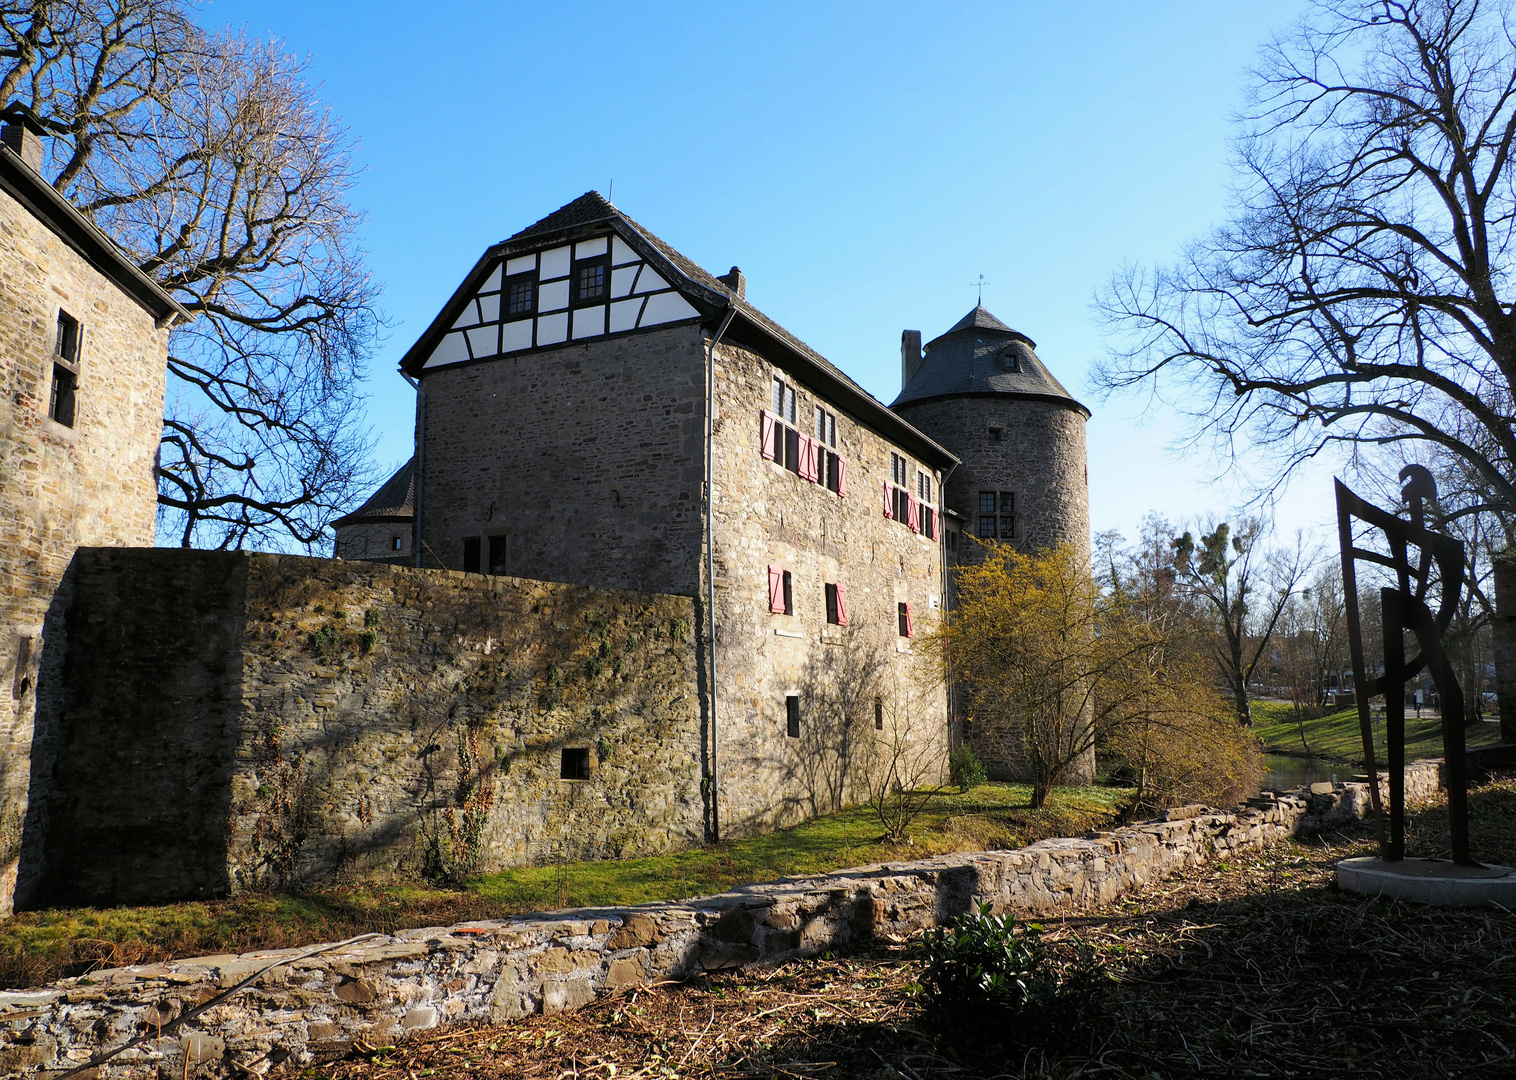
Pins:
<point x="23" y="134"/>
<point x="910" y="356"/>
<point x="735" y="280"/>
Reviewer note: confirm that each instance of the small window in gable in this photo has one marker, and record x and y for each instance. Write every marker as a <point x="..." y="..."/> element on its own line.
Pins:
<point x="520" y="295"/>
<point x="590" y="284"/>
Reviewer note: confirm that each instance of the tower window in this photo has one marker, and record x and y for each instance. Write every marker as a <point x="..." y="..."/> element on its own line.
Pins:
<point x="997" y="515"/>
<point x="396" y="544"/>
<point x="878" y="714"/>
<point x="996" y="434"/>
<point x="784" y="401"/>
<point x="792" y="716"/>
<point x="471" y="545"/>
<point x="497" y="555"/>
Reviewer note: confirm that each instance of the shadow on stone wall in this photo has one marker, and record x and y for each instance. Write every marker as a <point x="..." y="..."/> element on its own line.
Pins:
<point x="234" y="721"/>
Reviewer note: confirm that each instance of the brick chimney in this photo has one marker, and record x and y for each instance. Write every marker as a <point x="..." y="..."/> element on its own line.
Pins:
<point x="23" y="134"/>
<point x="733" y="279"/>
<point x="910" y="356"/>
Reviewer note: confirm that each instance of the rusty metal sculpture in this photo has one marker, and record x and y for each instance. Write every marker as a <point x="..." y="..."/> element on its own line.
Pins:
<point x="1412" y="552"/>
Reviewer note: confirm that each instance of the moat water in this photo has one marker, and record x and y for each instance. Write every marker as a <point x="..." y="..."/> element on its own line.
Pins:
<point x="1282" y="773"/>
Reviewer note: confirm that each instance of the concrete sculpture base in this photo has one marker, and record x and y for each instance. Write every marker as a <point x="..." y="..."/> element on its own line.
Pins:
<point x="1429" y="881"/>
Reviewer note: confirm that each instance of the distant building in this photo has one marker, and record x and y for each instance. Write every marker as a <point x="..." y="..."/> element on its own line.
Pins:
<point x="85" y="338"/>
<point x="383" y="529"/>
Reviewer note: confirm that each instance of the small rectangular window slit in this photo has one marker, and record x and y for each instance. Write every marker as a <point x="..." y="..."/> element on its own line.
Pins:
<point x="575" y="763"/>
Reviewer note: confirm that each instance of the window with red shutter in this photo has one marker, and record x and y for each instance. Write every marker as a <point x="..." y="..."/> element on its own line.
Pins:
<point x="812" y="461"/>
<point x="912" y="513"/>
<point x="841" y="478"/>
<point x="889" y="501"/>
<point x="841" y="606"/>
<point x="776" y="590"/>
<point x="768" y="434"/>
<point x="910" y="627"/>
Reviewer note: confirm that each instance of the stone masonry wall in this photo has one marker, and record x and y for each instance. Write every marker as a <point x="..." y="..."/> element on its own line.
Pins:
<point x="384" y="987"/>
<point x="588" y="459"/>
<point x="61" y="487"/>
<point x="238" y="719"/>
<point x="768" y="516"/>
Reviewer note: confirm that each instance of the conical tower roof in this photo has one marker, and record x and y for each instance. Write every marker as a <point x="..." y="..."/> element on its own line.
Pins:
<point x="982" y="355"/>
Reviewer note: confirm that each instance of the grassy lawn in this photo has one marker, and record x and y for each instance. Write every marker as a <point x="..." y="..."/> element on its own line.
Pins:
<point x="38" y="947"/>
<point x="1335" y="736"/>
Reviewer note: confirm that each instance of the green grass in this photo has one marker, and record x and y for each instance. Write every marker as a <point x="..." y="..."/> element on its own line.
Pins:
<point x="1336" y="736"/>
<point x="39" y="947"/>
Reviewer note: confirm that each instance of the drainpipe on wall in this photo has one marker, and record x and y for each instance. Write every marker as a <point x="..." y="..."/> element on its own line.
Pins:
<point x="943" y="586"/>
<point x="710" y="547"/>
<point x="420" y="456"/>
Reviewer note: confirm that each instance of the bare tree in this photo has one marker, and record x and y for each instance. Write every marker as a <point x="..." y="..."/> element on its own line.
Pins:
<point x="210" y="160"/>
<point x="1361" y="293"/>
<point x="1243" y="589"/>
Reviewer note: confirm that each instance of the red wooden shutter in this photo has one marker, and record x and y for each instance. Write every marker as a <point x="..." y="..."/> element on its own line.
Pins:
<point x="841" y="478"/>
<point x="841" y="606"/>
<point x="810" y="458"/>
<point x="910" y="627"/>
<point x="776" y="590"/>
<point x="912" y="513"/>
<point x="769" y="433"/>
<point x="889" y="501"/>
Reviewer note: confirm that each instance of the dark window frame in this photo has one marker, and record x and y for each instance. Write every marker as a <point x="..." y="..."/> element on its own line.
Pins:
<point x="903" y="614"/>
<point x="397" y="543"/>
<point x="789" y="592"/>
<point x="833" y="616"/>
<point x="501" y="542"/>
<point x="473" y="554"/>
<point x="603" y="263"/>
<point x="792" y="716"/>
<point x="63" y="390"/>
<point x="509" y="313"/>
<point x="879" y="714"/>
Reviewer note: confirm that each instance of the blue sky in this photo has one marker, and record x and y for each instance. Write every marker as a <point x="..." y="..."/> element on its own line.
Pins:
<point x="863" y="164"/>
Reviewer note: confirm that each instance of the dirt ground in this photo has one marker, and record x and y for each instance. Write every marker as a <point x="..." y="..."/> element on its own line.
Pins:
<point x="1251" y="968"/>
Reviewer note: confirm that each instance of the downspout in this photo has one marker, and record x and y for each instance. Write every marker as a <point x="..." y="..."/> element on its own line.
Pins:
<point x="420" y="456"/>
<point x="710" y="552"/>
<point x="943" y="585"/>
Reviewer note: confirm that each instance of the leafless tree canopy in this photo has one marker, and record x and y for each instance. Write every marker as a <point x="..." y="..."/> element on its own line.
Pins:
<point x="1361" y="293"/>
<point x="209" y="159"/>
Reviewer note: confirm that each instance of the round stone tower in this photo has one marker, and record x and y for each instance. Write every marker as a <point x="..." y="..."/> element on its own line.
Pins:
<point x="980" y="391"/>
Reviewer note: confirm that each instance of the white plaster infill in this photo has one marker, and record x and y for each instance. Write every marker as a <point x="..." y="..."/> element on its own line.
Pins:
<point x="1435" y="882"/>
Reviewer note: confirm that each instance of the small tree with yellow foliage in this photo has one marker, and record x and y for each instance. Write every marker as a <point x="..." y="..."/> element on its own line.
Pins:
<point x="1056" y="664"/>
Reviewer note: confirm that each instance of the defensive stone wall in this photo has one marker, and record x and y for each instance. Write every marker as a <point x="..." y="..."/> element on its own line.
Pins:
<point x="384" y="987"/>
<point x="232" y="720"/>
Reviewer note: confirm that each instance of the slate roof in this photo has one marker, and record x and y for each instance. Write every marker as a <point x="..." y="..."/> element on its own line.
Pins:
<point x="394" y="501"/>
<point x="982" y="355"/>
<point x="591" y="213"/>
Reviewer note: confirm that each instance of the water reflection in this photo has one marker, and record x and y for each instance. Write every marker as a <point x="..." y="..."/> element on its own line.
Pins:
<point x="1283" y="773"/>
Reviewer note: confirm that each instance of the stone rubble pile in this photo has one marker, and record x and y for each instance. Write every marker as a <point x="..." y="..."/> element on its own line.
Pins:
<point x="384" y="987"/>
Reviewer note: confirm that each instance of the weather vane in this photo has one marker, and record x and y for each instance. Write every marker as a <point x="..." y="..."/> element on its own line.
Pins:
<point x="980" y="286"/>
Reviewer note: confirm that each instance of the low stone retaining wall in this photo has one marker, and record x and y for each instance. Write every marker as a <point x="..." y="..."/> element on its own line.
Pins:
<point x="381" y="988"/>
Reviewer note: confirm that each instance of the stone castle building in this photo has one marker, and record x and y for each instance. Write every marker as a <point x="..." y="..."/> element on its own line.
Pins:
<point x="564" y="394"/>
<point x="85" y="338"/>
<point x="580" y="394"/>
